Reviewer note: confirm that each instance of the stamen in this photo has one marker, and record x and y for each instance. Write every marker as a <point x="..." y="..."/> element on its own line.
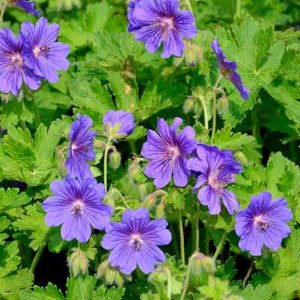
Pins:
<point x="136" y="241"/>
<point x="77" y="207"/>
<point x="260" y="223"/>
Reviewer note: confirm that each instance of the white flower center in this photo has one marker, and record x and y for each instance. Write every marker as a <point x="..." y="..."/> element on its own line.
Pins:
<point x="172" y="152"/>
<point x="37" y="50"/>
<point x="260" y="223"/>
<point x="167" y="23"/>
<point x="213" y="181"/>
<point x="74" y="147"/>
<point x="77" y="207"/>
<point x="136" y="241"/>
<point x="16" y="60"/>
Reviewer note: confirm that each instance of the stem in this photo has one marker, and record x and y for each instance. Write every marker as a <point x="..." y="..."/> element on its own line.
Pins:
<point x="188" y="4"/>
<point x="197" y="230"/>
<point x="107" y="147"/>
<point x="205" y="112"/>
<point x="36" y="113"/>
<point x="238" y="8"/>
<point x="169" y="284"/>
<point x="38" y="254"/>
<point x="182" y="254"/>
<point x="174" y="239"/>
<point x="215" y="89"/>
<point x="248" y="273"/>
<point x="220" y="246"/>
<point x="187" y="278"/>
<point x="3" y="11"/>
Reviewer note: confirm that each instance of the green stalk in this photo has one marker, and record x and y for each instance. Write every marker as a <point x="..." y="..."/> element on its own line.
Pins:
<point x="181" y="234"/>
<point x="3" y="11"/>
<point x="197" y="229"/>
<point x="205" y="112"/>
<point x="187" y="279"/>
<point x="215" y="90"/>
<point x="107" y="147"/>
<point x="220" y="246"/>
<point x="238" y="8"/>
<point x="39" y="253"/>
<point x="248" y="274"/>
<point x="169" y="284"/>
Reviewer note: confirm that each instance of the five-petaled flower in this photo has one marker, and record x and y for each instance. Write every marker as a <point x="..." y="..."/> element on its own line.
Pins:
<point x="215" y="169"/>
<point x="13" y="70"/>
<point x="43" y="54"/>
<point x="135" y="241"/>
<point x="228" y="70"/>
<point x="263" y="223"/>
<point x="81" y="147"/>
<point x="77" y="206"/>
<point x="118" y="124"/>
<point x="25" y="5"/>
<point x="160" y="21"/>
<point x="167" y="152"/>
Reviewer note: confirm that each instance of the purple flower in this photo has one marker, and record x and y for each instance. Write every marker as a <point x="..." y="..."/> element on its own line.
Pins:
<point x="168" y="153"/>
<point x="26" y="5"/>
<point x="118" y="124"/>
<point x="41" y="51"/>
<point x="13" y="71"/>
<point x="81" y="147"/>
<point x="215" y="169"/>
<point x="228" y="70"/>
<point x="134" y="241"/>
<point x="77" y="206"/>
<point x="263" y="223"/>
<point x="160" y="21"/>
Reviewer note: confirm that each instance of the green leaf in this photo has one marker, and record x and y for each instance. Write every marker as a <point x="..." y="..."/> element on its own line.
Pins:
<point x="80" y="288"/>
<point x="101" y="293"/>
<point x="34" y="222"/>
<point x="50" y="292"/>
<point x="261" y="292"/>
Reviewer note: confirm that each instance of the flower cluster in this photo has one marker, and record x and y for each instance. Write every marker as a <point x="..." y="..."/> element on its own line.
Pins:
<point x="32" y="56"/>
<point x="178" y="155"/>
<point x="77" y="204"/>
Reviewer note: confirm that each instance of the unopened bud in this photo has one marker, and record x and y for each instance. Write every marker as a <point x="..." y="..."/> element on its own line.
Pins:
<point x="192" y="54"/>
<point x="115" y="159"/>
<point x="234" y="297"/>
<point x="222" y="105"/>
<point x="133" y="170"/>
<point x="188" y="105"/>
<point x="99" y="144"/>
<point x="202" y="263"/>
<point x="143" y="190"/>
<point x="160" y="209"/>
<point x="78" y="262"/>
<point x="242" y="157"/>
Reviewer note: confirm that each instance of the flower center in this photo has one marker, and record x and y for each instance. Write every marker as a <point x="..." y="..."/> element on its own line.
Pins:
<point x="136" y="241"/>
<point x="213" y="181"/>
<point x="38" y="50"/>
<point x="16" y="60"/>
<point x="173" y="152"/>
<point x="167" y="23"/>
<point x="77" y="207"/>
<point x="260" y="223"/>
<point x="84" y="148"/>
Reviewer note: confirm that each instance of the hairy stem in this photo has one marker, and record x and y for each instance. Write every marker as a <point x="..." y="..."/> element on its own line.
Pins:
<point x="107" y="147"/>
<point x="169" y="284"/>
<point x="187" y="279"/>
<point x="248" y="274"/>
<point x="238" y="8"/>
<point x="181" y="234"/>
<point x="215" y="91"/>
<point x="39" y="253"/>
<point x="220" y="246"/>
<point x="205" y="112"/>
<point x="197" y="229"/>
<point x="3" y="10"/>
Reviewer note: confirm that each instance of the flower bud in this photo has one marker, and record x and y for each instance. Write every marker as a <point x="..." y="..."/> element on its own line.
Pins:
<point x="115" y="159"/>
<point x="242" y="158"/>
<point x="192" y="54"/>
<point x="202" y="263"/>
<point x="234" y="297"/>
<point x="188" y="105"/>
<point x="143" y="190"/>
<point x="133" y="170"/>
<point x="222" y="105"/>
<point x="160" y="210"/>
<point x="78" y="262"/>
<point x="99" y="144"/>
